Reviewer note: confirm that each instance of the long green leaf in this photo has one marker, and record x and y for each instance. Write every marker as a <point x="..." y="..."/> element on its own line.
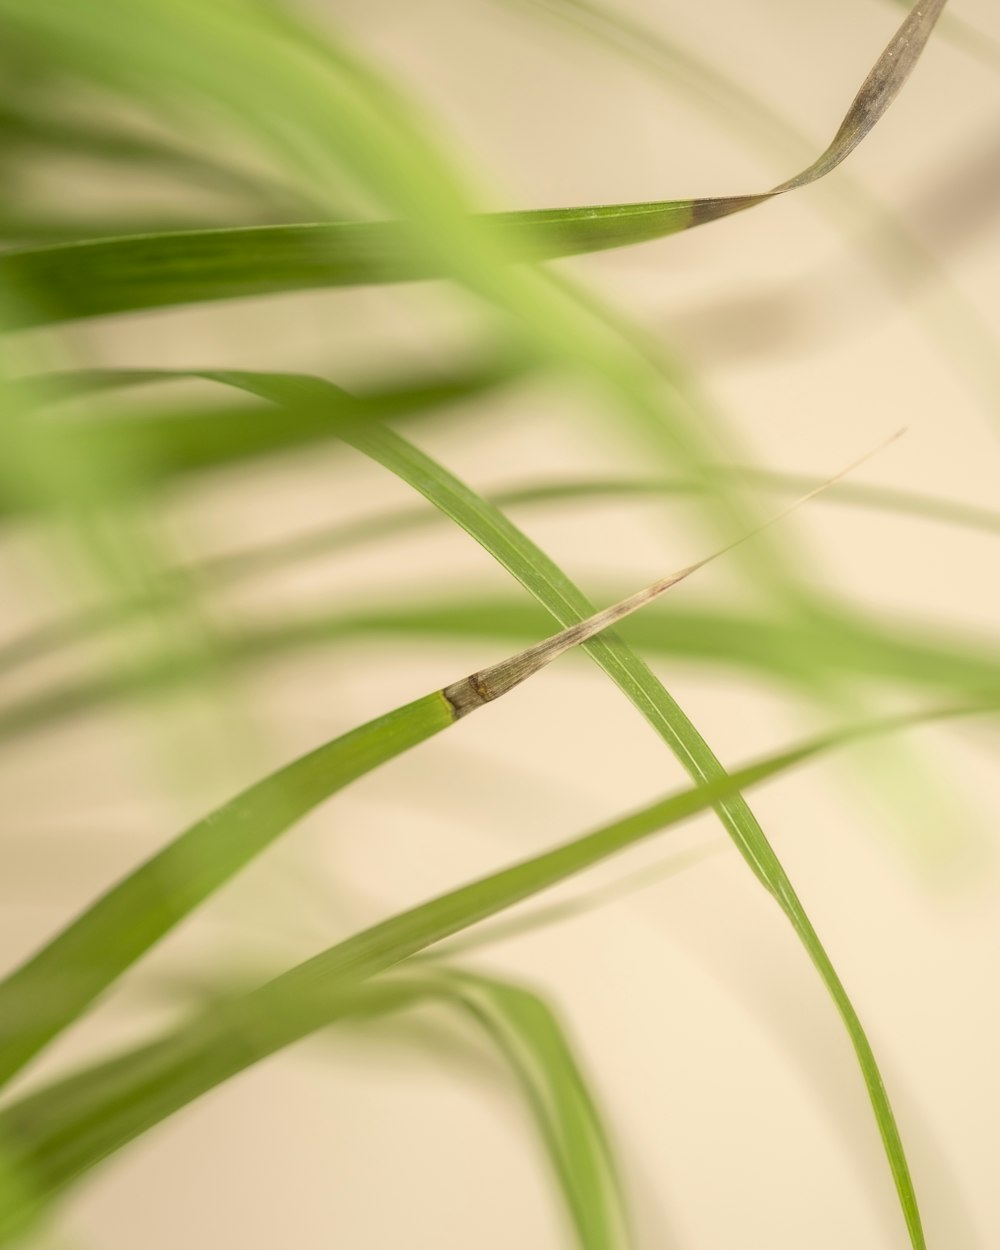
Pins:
<point x="223" y="570"/>
<point x="50" y="126"/>
<point x="49" y="991"/>
<point x="953" y="323"/>
<point x="547" y="915"/>
<point x="171" y="442"/>
<point x="52" y="988"/>
<point x="532" y="1042"/>
<point x="528" y="1033"/>
<point x="888" y="651"/>
<point x="568" y="606"/>
<point x="52" y="1136"/>
<point x="551" y="588"/>
<point x="95" y="278"/>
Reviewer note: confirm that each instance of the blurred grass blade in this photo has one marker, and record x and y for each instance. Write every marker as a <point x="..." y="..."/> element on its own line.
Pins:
<point x="248" y="562"/>
<point x="51" y="1136"/>
<point x="549" y="584"/>
<point x="553" y="589"/>
<point x="953" y="322"/>
<point x="970" y="38"/>
<point x="533" y="1043"/>
<point x="168" y="456"/>
<point x="877" y="92"/>
<point x="159" y="446"/>
<point x="886" y="651"/>
<point x="171" y="442"/>
<point x="50" y="126"/>
<point x="121" y="555"/>
<point x="55" y="986"/>
<point x="94" y="278"/>
<point x="545" y="916"/>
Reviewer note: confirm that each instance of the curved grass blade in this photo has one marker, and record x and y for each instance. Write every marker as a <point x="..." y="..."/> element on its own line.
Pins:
<point x="531" y="1040"/>
<point x="123" y="555"/>
<point x="544" y="917"/>
<point x="52" y="1136"/>
<point x="233" y="567"/>
<point x="533" y="1043"/>
<point x="550" y="586"/>
<point x="55" y="128"/>
<point x="887" y="652"/>
<point x="160" y="446"/>
<point x="224" y="58"/>
<point x="46" y="994"/>
<point x="569" y="607"/>
<point x="172" y="442"/>
<point x="528" y="1033"/>
<point x="953" y="323"/>
<point x="56" y="985"/>
<point x="99" y="277"/>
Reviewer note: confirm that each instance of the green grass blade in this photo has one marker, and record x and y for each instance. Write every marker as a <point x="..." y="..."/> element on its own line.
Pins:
<point x="538" y="575"/>
<point x="55" y="986"/>
<point x="122" y="554"/>
<point x="171" y="442"/>
<point x="52" y="1136"/>
<point x="534" y="1044"/>
<point x="525" y="561"/>
<point x="160" y="446"/>
<point x="952" y="322"/>
<point x="888" y="652"/>
<point x="207" y="575"/>
<point x="528" y="1033"/>
<point x="46" y="123"/>
<point x="528" y="1036"/>
<point x="47" y="993"/>
<point x="95" y="278"/>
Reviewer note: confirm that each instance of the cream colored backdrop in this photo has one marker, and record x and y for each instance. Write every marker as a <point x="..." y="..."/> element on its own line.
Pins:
<point x="729" y="1084"/>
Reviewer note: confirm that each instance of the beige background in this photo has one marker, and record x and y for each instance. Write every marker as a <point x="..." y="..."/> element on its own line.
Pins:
<point x="731" y="1089"/>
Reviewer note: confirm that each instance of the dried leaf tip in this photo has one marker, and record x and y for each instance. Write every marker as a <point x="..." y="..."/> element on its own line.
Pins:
<point x="876" y="93"/>
<point x="487" y="684"/>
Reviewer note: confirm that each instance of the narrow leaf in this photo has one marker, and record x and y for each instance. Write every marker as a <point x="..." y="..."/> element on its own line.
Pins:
<point x="94" y="278"/>
<point x="48" y="992"/>
<point x="954" y="325"/>
<point x="886" y="650"/>
<point x="569" y="607"/>
<point x="52" y="1136"/>
<point x="232" y="567"/>
<point x="173" y="442"/>
<point x="533" y="1043"/>
<point x="528" y="1033"/>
